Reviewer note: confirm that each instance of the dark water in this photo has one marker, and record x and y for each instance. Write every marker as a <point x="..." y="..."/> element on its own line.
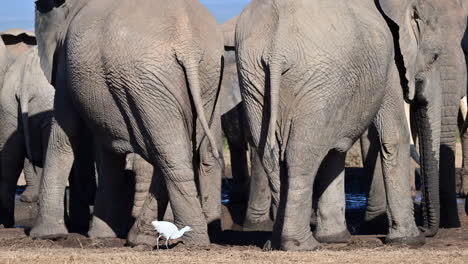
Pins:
<point x="354" y="201"/>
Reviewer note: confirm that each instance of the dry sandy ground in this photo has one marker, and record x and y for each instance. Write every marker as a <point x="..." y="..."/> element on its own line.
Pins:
<point x="232" y="255"/>
<point x="449" y="246"/>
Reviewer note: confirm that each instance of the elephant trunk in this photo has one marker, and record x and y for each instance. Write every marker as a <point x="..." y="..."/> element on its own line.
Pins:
<point x="428" y="113"/>
<point x="452" y="81"/>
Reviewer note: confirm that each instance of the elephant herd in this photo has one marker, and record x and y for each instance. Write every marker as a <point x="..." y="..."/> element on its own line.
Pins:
<point x="151" y="87"/>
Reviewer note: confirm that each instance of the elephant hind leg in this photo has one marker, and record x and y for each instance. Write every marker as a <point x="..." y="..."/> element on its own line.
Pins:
<point x="142" y="232"/>
<point x="331" y="222"/>
<point x="295" y="210"/>
<point x="173" y="157"/>
<point x="257" y="216"/>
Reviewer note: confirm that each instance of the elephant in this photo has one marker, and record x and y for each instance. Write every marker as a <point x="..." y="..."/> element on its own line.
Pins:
<point x="310" y="91"/>
<point x="155" y="97"/>
<point x="452" y="70"/>
<point x="17" y="42"/>
<point x="250" y="187"/>
<point x="26" y="102"/>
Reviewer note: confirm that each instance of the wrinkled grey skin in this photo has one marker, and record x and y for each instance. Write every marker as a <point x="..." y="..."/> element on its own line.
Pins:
<point x="308" y="98"/>
<point x="18" y="41"/>
<point x="26" y="102"/>
<point x="135" y="99"/>
<point x="249" y="186"/>
<point x="449" y="19"/>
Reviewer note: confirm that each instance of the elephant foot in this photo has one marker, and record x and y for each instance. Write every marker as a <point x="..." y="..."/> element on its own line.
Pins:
<point x="341" y="237"/>
<point x="142" y="236"/>
<point x="49" y="230"/>
<point x="262" y="225"/>
<point x="308" y="244"/>
<point x="196" y="239"/>
<point x="410" y="241"/>
<point x="29" y="196"/>
<point x="412" y="238"/>
<point x="100" y="229"/>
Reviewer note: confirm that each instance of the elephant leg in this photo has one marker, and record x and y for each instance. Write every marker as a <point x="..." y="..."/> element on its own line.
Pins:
<point x="143" y="173"/>
<point x="240" y="175"/>
<point x="58" y="164"/>
<point x="329" y="187"/>
<point x="234" y="132"/>
<point x="176" y="163"/>
<point x="395" y="157"/>
<point x="302" y="161"/>
<point x="82" y="185"/>
<point x="11" y="164"/>
<point x="375" y="215"/>
<point x="210" y="173"/>
<point x="32" y="175"/>
<point x="112" y="210"/>
<point x="258" y="208"/>
<point x="142" y="232"/>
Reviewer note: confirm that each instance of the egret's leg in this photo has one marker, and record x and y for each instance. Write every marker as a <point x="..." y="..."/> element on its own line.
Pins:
<point x="167" y="241"/>
<point x="157" y="242"/>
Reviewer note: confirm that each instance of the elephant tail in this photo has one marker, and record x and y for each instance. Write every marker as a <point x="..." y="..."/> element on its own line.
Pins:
<point x="192" y="74"/>
<point x="275" y="82"/>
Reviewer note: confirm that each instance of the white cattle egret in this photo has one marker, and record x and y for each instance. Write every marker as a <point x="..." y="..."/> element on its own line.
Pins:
<point x="168" y="230"/>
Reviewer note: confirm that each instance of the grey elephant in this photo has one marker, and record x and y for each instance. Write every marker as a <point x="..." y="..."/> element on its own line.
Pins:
<point x="26" y="102"/>
<point x="250" y="185"/>
<point x="452" y="69"/>
<point x="18" y="41"/>
<point x="154" y="97"/>
<point x="309" y="95"/>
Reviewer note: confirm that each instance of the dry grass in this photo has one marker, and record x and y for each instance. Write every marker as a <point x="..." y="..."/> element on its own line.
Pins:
<point x="227" y="255"/>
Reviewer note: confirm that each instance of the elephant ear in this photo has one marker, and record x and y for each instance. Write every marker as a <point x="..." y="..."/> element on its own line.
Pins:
<point x="406" y="29"/>
<point x="229" y="29"/>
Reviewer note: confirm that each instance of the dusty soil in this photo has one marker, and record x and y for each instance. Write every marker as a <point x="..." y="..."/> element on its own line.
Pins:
<point x="235" y="246"/>
<point x="449" y="246"/>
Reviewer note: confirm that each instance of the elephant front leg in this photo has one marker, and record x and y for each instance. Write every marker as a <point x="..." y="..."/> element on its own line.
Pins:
<point x="394" y="138"/>
<point x="331" y="221"/>
<point x="376" y="208"/>
<point x="58" y="163"/>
